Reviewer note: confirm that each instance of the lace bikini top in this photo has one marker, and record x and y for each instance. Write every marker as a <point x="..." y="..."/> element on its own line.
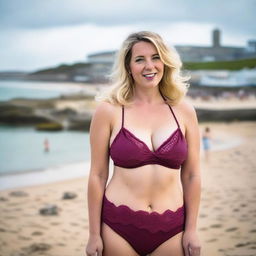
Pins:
<point x="128" y="151"/>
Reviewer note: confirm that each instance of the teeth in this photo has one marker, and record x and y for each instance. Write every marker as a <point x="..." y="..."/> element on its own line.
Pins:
<point x="149" y="75"/>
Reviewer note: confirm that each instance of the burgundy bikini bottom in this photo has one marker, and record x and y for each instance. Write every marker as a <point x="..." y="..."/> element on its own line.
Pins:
<point x="144" y="231"/>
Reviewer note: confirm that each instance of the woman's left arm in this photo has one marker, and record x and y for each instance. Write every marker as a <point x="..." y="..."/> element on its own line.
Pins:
<point x="191" y="181"/>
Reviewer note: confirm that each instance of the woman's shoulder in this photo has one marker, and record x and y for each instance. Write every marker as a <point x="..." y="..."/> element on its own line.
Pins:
<point x="106" y="107"/>
<point x="106" y="111"/>
<point x="186" y="109"/>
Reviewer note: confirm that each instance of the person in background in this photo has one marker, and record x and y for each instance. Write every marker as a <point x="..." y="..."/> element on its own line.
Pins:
<point x="150" y="205"/>
<point x="46" y="145"/>
<point x="206" y="139"/>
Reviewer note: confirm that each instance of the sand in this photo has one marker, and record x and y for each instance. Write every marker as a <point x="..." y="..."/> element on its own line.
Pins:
<point x="226" y="225"/>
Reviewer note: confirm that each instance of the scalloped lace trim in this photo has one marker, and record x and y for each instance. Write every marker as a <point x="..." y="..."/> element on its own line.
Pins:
<point x="152" y="222"/>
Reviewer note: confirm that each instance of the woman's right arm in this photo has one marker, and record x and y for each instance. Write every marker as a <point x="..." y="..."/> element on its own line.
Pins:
<point x="100" y="131"/>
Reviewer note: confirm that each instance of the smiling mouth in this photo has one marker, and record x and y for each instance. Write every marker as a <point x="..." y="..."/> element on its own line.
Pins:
<point x="149" y="75"/>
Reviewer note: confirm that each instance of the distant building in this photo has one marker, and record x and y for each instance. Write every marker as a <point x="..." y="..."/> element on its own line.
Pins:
<point x="100" y="64"/>
<point x="216" y="52"/>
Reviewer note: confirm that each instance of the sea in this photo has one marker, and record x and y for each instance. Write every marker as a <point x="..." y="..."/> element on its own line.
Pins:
<point x="23" y="159"/>
<point x="22" y="147"/>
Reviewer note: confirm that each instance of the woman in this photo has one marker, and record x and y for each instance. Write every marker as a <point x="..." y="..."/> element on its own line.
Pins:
<point x="152" y="136"/>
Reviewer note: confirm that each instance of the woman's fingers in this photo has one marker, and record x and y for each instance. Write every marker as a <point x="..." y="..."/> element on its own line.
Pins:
<point x="186" y="251"/>
<point x="194" y="250"/>
<point x="99" y="253"/>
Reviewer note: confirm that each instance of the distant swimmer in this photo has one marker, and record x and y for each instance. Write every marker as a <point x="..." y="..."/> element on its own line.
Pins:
<point x="46" y="145"/>
<point x="206" y="139"/>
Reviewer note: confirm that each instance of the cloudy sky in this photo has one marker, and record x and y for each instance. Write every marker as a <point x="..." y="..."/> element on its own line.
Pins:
<point x="43" y="33"/>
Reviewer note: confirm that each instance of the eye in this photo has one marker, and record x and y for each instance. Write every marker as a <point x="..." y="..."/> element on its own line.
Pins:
<point x="138" y="59"/>
<point x="156" y="57"/>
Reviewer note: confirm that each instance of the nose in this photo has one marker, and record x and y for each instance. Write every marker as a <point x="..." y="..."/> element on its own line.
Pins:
<point x="149" y="65"/>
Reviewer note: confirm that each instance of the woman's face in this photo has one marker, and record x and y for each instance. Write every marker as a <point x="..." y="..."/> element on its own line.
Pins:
<point x="146" y="66"/>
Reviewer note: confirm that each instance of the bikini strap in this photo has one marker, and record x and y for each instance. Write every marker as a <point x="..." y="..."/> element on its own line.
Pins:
<point x="122" y="116"/>
<point x="174" y="116"/>
<point x="170" y="108"/>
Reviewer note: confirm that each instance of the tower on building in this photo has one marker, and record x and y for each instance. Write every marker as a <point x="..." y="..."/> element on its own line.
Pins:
<point x="216" y="38"/>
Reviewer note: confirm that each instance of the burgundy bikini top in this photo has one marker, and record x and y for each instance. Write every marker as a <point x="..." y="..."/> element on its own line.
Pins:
<point x="128" y="151"/>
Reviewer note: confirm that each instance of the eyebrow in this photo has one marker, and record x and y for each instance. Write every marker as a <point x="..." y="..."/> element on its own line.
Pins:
<point x="140" y="56"/>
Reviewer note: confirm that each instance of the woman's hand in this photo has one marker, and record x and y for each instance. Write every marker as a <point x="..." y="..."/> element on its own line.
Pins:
<point x="94" y="246"/>
<point x="191" y="243"/>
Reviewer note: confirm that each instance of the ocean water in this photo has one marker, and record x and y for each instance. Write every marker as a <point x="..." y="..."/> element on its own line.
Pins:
<point x="22" y="148"/>
<point x="35" y="90"/>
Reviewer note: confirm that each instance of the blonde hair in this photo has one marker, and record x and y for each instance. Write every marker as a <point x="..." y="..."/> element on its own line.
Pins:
<point x="173" y="86"/>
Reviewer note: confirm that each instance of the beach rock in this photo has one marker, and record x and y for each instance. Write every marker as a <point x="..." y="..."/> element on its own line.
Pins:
<point x="13" y="114"/>
<point x="18" y="193"/>
<point x="80" y="121"/>
<point x="64" y="112"/>
<point x="49" y="126"/>
<point x="49" y="210"/>
<point x="69" y="195"/>
<point x="3" y="199"/>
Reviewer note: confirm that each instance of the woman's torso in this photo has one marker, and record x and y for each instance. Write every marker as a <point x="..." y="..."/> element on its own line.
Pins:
<point x="150" y="187"/>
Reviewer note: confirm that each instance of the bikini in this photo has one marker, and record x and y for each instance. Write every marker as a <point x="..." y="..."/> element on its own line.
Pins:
<point x="145" y="231"/>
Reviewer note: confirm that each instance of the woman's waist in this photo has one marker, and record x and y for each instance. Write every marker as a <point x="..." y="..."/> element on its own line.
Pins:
<point x="155" y="198"/>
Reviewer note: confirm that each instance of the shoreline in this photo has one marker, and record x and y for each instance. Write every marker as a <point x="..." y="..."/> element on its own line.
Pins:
<point x="18" y="180"/>
<point x="44" y="176"/>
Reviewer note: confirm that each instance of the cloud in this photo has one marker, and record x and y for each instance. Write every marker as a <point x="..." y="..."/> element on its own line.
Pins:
<point x="36" y="34"/>
<point x="238" y="15"/>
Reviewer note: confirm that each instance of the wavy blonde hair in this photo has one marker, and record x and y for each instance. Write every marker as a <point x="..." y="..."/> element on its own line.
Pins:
<point x="173" y="86"/>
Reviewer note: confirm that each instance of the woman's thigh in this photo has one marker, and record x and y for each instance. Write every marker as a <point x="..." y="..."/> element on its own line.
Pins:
<point x="171" y="247"/>
<point x="114" y="244"/>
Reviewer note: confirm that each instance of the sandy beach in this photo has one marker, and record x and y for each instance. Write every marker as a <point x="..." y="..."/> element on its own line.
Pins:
<point x="227" y="219"/>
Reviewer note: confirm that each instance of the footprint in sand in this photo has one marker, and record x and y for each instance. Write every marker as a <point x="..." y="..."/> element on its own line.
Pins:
<point x="211" y="240"/>
<point x="243" y="244"/>
<point x="24" y="238"/>
<point x="55" y="223"/>
<point x="74" y="224"/>
<point x="18" y="209"/>
<point x="203" y="215"/>
<point x="61" y="244"/>
<point x="11" y="217"/>
<point x="231" y="229"/>
<point x="216" y="226"/>
<point x="37" y="233"/>
<point x="203" y="229"/>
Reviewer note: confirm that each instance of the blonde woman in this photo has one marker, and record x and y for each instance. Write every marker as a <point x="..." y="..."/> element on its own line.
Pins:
<point x="150" y="205"/>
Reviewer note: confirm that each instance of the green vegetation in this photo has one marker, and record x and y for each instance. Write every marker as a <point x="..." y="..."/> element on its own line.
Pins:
<point x="64" y="68"/>
<point x="49" y="127"/>
<point x="227" y="65"/>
